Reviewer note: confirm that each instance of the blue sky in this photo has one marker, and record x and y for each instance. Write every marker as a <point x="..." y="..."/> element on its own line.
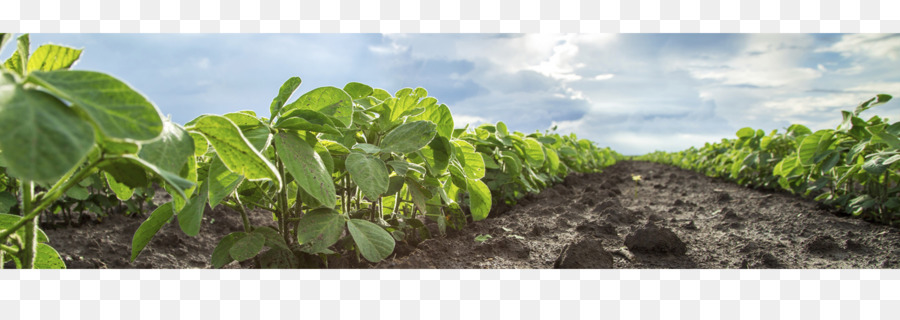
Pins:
<point x="633" y="92"/>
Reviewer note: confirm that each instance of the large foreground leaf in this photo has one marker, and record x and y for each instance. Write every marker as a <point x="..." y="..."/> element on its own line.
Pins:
<point x="373" y="242"/>
<point x="319" y="230"/>
<point x="171" y="151"/>
<point x="409" y="137"/>
<point x="234" y="150"/>
<point x="330" y="101"/>
<point x="41" y="137"/>
<point x="118" y="110"/>
<point x="285" y="92"/>
<point x="222" y="182"/>
<point x="47" y="258"/>
<point x="192" y="214"/>
<point x="441" y="116"/>
<point x="51" y="57"/>
<point x="307" y="167"/>
<point x="221" y="254"/>
<point x="479" y="199"/>
<point x="369" y="173"/>
<point x="150" y="227"/>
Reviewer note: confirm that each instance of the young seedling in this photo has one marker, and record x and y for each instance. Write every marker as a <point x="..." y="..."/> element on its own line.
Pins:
<point x="482" y="238"/>
<point x="637" y="180"/>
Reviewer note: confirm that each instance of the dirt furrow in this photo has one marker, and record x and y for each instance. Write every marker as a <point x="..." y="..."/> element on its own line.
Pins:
<point x="672" y="218"/>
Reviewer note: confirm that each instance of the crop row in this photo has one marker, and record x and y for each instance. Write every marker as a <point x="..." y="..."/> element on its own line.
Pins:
<point x="853" y="167"/>
<point x="342" y="171"/>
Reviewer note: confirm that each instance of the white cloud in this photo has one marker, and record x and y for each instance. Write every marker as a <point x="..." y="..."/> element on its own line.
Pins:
<point x="390" y="48"/>
<point x="877" y="46"/>
<point x="892" y="88"/>
<point x="203" y="63"/>
<point x="461" y="120"/>
<point x="605" y="76"/>
<point x="762" y="61"/>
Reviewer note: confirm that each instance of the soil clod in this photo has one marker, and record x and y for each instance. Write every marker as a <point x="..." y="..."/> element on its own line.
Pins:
<point x="584" y="254"/>
<point x="654" y="239"/>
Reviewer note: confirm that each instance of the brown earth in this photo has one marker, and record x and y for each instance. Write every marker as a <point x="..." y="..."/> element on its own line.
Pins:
<point x="672" y="218"/>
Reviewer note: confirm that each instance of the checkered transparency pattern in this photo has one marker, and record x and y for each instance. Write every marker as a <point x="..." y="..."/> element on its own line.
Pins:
<point x="450" y="16"/>
<point x="450" y="294"/>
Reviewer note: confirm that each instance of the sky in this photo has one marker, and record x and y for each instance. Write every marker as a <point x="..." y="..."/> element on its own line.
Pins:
<point x="635" y="93"/>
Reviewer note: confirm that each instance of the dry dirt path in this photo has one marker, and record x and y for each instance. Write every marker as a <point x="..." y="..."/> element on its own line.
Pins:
<point x="673" y="219"/>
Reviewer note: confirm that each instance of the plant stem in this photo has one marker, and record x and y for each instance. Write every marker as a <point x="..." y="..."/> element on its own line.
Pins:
<point x="237" y="200"/>
<point x="30" y="250"/>
<point x="282" y="198"/>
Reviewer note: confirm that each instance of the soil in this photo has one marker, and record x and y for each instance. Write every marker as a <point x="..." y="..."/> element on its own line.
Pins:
<point x="672" y="218"/>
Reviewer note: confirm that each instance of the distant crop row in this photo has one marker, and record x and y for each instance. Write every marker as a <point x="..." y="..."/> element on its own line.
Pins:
<point x="342" y="171"/>
<point x="853" y="167"/>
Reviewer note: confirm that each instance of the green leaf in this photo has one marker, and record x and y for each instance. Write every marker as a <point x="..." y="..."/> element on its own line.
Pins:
<point x="369" y="173"/>
<point x="277" y="258"/>
<point x="367" y="148"/>
<point x="373" y="242"/>
<point x="171" y="150"/>
<point x="19" y="58"/>
<point x="222" y="182"/>
<point x="284" y="93"/>
<point x="745" y="133"/>
<point x="813" y="145"/>
<point x="200" y="144"/>
<point x="4" y="38"/>
<point x="126" y="172"/>
<point x="330" y="101"/>
<point x="247" y="247"/>
<point x="552" y="159"/>
<point x="42" y="138"/>
<point x="8" y="220"/>
<point x="14" y="64"/>
<point x="259" y="138"/>
<point x="47" y="258"/>
<point x="50" y="57"/>
<point x="482" y="238"/>
<point x="358" y="90"/>
<point x="221" y="254"/>
<point x="306" y="120"/>
<point x="878" y="99"/>
<point x="118" y="110"/>
<point x="320" y="229"/>
<point x="441" y="116"/>
<point x="875" y="165"/>
<point x="174" y="180"/>
<point x="479" y="199"/>
<point x="118" y="147"/>
<point x="7" y="201"/>
<point x="334" y="148"/>
<point x="122" y="191"/>
<point x="417" y="193"/>
<point x="438" y="153"/>
<point x="273" y="238"/>
<point x="234" y="150"/>
<point x="395" y="185"/>
<point x="191" y="216"/>
<point x="306" y="166"/>
<point x="409" y="137"/>
<point x="534" y="153"/>
<point x="78" y="193"/>
<point x="472" y="162"/>
<point x="244" y="121"/>
<point x="149" y="228"/>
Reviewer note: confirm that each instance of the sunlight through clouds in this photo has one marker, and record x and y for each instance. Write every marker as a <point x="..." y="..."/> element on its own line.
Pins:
<point x="633" y="92"/>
